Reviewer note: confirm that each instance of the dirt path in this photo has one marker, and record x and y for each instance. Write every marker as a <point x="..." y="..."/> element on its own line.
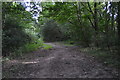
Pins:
<point x="59" y="62"/>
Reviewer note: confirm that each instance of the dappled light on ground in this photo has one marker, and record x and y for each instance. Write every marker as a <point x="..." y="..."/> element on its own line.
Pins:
<point x="30" y="62"/>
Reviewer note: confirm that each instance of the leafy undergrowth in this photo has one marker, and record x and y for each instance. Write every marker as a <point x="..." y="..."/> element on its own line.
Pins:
<point x="46" y="46"/>
<point x="105" y="56"/>
<point x="29" y="47"/>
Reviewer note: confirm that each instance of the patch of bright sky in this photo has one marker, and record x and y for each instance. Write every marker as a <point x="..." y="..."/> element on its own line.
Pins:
<point x="109" y="9"/>
<point x="28" y="7"/>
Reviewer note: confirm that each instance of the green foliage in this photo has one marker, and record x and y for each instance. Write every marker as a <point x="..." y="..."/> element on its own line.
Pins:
<point x="19" y="30"/>
<point x="85" y="24"/>
<point x="104" y="56"/>
<point x="13" y="36"/>
<point x="32" y="46"/>
<point x="46" y="46"/>
<point x="51" y="31"/>
<point x="29" y="47"/>
<point x="72" y="28"/>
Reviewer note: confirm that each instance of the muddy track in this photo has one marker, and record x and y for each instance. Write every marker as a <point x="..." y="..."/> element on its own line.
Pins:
<point x="59" y="62"/>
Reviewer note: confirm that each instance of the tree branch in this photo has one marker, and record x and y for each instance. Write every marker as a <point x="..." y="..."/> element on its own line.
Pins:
<point x="91" y="22"/>
<point x="90" y="8"/>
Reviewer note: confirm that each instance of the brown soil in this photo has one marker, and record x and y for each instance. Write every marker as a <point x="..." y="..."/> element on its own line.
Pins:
<point x="59" y="62"/>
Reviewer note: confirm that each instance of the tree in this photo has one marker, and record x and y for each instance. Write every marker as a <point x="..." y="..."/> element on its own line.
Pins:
<point x="15" y="18"/>
<point x="118" y="27"/>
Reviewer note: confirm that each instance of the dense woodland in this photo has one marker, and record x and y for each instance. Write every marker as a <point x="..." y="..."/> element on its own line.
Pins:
<point x="27" y="25"/>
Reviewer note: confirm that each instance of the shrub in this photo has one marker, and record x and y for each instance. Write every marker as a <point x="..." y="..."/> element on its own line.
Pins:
<point x="51" y="31"/>
<point x="28" y="48"/>
<point x="13" y="36"/>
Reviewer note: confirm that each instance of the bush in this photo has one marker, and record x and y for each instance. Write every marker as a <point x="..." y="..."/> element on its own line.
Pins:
<point x="51" y="32"/>
<point x="28" y="48"/>
<point x="13" y="36"/>
<point x="104" y="56"/>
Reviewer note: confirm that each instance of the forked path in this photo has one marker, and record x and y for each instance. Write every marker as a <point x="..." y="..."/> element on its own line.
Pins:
<point x="59" y="62"/>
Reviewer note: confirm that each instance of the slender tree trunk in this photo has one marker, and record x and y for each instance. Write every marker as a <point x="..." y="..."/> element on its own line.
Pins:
<point x="95" y="16"/>
<point x="118" y="20"/>
<point x="95" y="21"/>
<point x="96" y="24"/>
<point x="78" y="12"/>
<point x="112" y="19"/>
<point x="107" y="18"/>
<point x="118" y="27"/>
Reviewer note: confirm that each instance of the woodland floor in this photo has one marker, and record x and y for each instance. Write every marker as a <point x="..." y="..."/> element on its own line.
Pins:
<point x="59" y="62"/>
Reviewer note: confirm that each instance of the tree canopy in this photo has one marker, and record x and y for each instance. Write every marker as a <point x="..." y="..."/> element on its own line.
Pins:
<point x="87" y="24"/>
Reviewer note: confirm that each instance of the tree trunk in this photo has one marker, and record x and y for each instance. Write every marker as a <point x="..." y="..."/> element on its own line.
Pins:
<point x="96" y="24"/>
<point x="118" y="27"/>
<point x="112" y="20"/>
<point x="95" y="17"/>
<point x="118" y="21"/>
<point x="107" y="18"/>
